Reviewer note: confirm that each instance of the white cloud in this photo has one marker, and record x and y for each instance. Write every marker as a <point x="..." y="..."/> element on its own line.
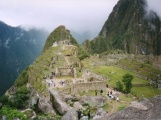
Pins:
<point x="77" y="15"/>
<point x="155" y="6"/>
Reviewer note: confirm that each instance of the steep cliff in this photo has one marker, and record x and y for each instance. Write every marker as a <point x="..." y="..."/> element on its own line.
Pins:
<point x="18" y="48"/>
<point x="130" y="27"/>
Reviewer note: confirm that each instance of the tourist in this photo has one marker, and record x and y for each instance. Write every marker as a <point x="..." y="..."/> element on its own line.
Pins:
<point x="112" y="97"/>
<point x="117" y="99"/>
<point x="101" y="91"/>
<point x="108" y="95"/>
<point x="96" y="92"/>
<point x="89" y="116"/>
<point x="107" y="85"/>
<point x="79" y="114"/>
<point x="111" y="92"/>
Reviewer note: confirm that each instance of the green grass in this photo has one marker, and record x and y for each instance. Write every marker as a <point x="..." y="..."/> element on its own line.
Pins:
<point x="121" y="107"/>
<point x="115" y="74"/>
<point x="147" y="91"/>
<point x="140" y="68"/>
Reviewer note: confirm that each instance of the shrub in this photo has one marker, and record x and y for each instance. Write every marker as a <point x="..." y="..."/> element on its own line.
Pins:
<point x="5" y="101"/>
<point x="127" y="80"/>
<point x="21" y="97"/>
<point x="119" y="86"/>
<point x="12" y="113"/>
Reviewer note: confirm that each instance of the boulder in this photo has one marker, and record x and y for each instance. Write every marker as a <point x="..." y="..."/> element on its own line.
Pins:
<point x="143" y="110"/>
<point x="138" y="105"/>
<point x="70" y="115"/>
<point x="100" y="113"/>
<point x="94" y="101"/>
<point x="84" y="118"/>
<point x="45" y="106"/>
<point x="71" y="97"/>
<point x="30" y="113"/>
<point x="77" y="106"/>
<point x="59" y="102"/>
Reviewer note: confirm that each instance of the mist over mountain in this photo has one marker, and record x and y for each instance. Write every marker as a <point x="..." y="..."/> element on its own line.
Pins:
<point x="18" y="48"/>
<point x="131" y="29"/>
<point x="82" y="37"/>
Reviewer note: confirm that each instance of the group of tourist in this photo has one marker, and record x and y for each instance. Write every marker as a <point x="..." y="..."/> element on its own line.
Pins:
<point x="96" y="92"/>
<point x="112" y="97"/>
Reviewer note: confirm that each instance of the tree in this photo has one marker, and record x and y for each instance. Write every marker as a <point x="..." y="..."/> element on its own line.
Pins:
<point x="6" y="101"/>
<point x="21" y="97"/>
<point x="119" y="86"/>
<point x="127" y="80"/>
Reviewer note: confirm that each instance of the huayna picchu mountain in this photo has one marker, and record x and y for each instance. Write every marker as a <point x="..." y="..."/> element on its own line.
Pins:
<point x="129" y="28"/>
<point x="18" y="49"/>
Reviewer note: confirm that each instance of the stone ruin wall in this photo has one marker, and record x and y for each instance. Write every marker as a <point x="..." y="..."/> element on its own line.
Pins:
<point x="64" y="72"/>
<point x="157" y="62"/>
<point x="88" y="75"/>
<point x="154" y="60"/>
<point x="80" y="87"/>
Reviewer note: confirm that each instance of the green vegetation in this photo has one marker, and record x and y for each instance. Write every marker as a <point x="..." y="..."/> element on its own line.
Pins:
<point x="82" y="54"/>
<point x="21" y="97"/>
<point x="6" y="101"/>
<point x="11" y="113"/>
<point x="127" y="80"/>
<point x="148" y="91"/>
<point x="143" y="69"/>
<point x="122" y="107"/>
<point x="22" y="79"/>
<point x="43" y="116"/>
<point x="119" y="86"/>
<point x="60" y="33"/>
<point x="116" y="74"/>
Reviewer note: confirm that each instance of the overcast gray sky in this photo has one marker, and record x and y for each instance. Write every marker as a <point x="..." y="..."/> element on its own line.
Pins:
<point x="77" y="15"/>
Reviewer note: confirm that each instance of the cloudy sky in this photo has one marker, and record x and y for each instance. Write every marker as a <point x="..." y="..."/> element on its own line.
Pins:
<point x="80" y="16"/>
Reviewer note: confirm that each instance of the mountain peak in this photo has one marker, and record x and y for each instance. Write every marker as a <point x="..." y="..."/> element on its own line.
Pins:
<point x="59" y="34"/>
<point x="131" y="28"/>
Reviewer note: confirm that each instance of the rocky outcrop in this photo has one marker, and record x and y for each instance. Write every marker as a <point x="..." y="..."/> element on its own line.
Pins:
<point x="93" y="101"/>
<point x="71" y="97"/>
<point x="77" y="105"/>
<point x="100" y="112"/>
<point x="144" y="110"/>
<point x="45" y="106"/>
<point x="70" y="115"/>
<point x="59" y="102"/>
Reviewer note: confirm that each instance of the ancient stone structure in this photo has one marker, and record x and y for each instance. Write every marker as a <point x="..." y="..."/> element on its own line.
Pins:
<point x="89" y="76"/>
<point x="64" y="72"/>
<point x="55" y="44"/>
<point x="64" y="42"/>
<point x="157" y="62"/>
<point x="84" y="86"/>
<point x="72" y="50"/>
